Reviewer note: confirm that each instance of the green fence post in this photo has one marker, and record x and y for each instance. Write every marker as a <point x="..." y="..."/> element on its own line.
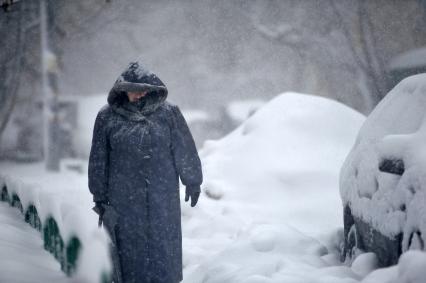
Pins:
<point x="53" y="242"/>
<point x="72" y="252"/>
<point x="31" y="217"/>
<point x="16" y="202"/>
<point x="4" y="194"/>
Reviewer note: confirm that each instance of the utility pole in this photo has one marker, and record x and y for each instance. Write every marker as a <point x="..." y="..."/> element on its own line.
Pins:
<point x="51" y="127"/>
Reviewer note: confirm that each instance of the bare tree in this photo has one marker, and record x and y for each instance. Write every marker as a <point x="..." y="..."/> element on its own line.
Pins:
<point x="11" y="59"/>
<point x="339" y="36"/>
<point x="20" y="55"/>
<point x="366" y="57"/>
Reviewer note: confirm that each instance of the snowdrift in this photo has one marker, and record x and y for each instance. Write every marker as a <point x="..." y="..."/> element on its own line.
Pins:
<point x="271" y="207"/>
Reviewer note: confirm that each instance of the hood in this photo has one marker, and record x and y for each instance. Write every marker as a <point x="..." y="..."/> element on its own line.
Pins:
<point x="137" y="78"/>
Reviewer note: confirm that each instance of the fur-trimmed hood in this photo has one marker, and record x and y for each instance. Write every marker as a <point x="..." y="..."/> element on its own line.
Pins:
<point x="137" y="78"/>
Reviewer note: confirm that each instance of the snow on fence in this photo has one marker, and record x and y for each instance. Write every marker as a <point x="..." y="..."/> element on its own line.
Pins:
<point x="81" y="250"/>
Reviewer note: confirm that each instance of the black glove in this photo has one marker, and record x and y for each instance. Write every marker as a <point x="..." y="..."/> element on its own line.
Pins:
<point x="194" y="193"/>
<point x="99" y="207"/>
<point x="100" y="210"/>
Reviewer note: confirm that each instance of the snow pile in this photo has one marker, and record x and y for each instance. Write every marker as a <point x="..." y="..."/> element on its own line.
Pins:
<point x="270" y="208"/>
<point x="65" y="197"/>
<point x="410" y="269"/>
<point x="396" y="129"/>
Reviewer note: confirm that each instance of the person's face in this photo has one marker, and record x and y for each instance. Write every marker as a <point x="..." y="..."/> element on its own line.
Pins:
<point x="134" y="96"/>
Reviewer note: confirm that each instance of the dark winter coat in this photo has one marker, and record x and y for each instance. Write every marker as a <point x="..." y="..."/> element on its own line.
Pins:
<point x="135" y="163"/>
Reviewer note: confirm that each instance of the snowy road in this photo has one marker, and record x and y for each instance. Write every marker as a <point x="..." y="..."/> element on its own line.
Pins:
<point x="23" y="257"/>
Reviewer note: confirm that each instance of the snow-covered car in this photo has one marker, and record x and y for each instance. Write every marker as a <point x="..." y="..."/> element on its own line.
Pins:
<point x="383" y="179"/>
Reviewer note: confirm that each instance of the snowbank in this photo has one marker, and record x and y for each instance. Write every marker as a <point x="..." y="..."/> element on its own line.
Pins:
<point x="270" y="207"/>
<point x="63" y="197"/>
<point x="410" y="269"/>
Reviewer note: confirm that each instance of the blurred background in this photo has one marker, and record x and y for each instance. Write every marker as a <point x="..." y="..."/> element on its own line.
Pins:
<point x="221" y="60"/>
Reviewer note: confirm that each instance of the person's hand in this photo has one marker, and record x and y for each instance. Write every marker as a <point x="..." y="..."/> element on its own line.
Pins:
<point x="100" y="208"/>
<point x="192" y="192"/>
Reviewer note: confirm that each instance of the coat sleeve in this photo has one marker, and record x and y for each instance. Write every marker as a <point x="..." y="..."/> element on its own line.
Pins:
<point x="185" y="153"/>
<point x="99" y="160"/>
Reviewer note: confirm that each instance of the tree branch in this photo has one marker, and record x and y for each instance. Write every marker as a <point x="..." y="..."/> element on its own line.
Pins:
<point x="13" y="93"/>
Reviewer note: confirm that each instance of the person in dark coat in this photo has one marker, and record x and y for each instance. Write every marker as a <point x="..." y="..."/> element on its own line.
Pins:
<point x="141" y="146"/>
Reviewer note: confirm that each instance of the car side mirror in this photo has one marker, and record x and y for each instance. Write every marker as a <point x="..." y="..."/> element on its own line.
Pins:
<point x="392" y="166"/>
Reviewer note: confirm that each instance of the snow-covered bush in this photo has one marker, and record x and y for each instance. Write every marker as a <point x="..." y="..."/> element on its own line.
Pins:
<point x="59" y="206"/>
<point x="383" y="180"/>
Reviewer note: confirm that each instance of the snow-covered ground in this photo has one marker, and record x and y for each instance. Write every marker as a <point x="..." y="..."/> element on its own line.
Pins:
<point x="270" y="209"/>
